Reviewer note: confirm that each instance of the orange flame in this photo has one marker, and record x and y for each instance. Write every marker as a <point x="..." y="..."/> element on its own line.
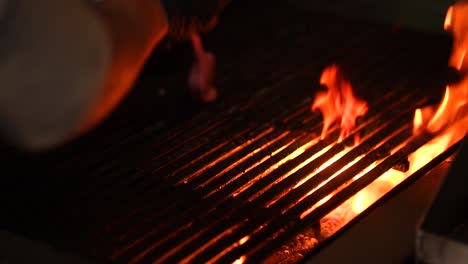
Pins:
<point x="456" y="21"/>
<point x="448" y="122"/>
<point x="446" y="138"/>
<point x="240" y="260"/>
<point x="449" y="130"/>
<point x="338" y="103"/>
<point x="445" y="121"/>
<point x="448" y="19"/>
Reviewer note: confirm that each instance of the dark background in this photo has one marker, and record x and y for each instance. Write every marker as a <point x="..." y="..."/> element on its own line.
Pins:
<point x="423" y="15"/>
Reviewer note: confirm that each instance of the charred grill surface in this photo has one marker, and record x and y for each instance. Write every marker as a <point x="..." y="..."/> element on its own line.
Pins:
<point x="234" y="178"/>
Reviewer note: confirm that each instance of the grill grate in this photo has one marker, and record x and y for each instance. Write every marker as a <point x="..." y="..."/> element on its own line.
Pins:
<point x="228" y="210"/>
<point x="236" y="179"/>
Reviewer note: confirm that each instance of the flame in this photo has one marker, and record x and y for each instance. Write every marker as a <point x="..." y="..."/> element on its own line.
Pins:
<point x="448" y="19"/>
<point x="456" y="21"/>
<point x="448" y="122"/>
<point x="366" y="197"/>
<point x="443" y="121"/>
<point x="442" y="124"/>
<point x="338" y="103"/>
<point x="455" y="99"/>
<point x="418" y="121"/>
<point x="421" y="118"/>
<point x="201" y="77"/>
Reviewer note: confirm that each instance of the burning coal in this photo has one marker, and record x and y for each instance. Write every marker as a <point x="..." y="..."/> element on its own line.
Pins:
<point x="338" y="104"/>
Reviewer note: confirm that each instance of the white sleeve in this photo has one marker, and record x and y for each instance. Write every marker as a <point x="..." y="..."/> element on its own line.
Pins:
<point x="54" y="56"/>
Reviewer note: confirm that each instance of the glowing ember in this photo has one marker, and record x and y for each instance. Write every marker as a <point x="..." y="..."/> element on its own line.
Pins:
<point x="448" y="19"/>
<point x="201" y="76"/>
<point x="338" y="103"/>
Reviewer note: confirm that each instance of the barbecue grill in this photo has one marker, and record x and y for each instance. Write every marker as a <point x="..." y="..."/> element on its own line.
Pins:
<point x="248" y="178"/>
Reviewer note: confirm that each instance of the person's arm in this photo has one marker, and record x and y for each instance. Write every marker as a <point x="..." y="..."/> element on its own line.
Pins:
<point x="53" y="58"/>
<point x="135" y="28"/>
<point x="64" y="65"/>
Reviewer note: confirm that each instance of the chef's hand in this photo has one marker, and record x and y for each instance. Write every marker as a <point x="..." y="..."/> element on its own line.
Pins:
<point x="188" y="17"/>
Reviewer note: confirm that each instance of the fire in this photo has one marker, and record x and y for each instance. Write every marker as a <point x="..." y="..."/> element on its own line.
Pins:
<point x="421" y="118"/>
<point x="417" y="121"/>
<point x="445" y="121"/>
<point x="366" y="197"/>
<point x="446" y="138"/>
<point x="338" y="103"/>
<point x="454" y="100"/>
<point x="452" y="107"/>
<point x="448" y="121"/>
<point x="456" y="21"/>
<point x="448" y="19"/>
<point x="442" y="124"/>
<point x="240" y="260"/>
